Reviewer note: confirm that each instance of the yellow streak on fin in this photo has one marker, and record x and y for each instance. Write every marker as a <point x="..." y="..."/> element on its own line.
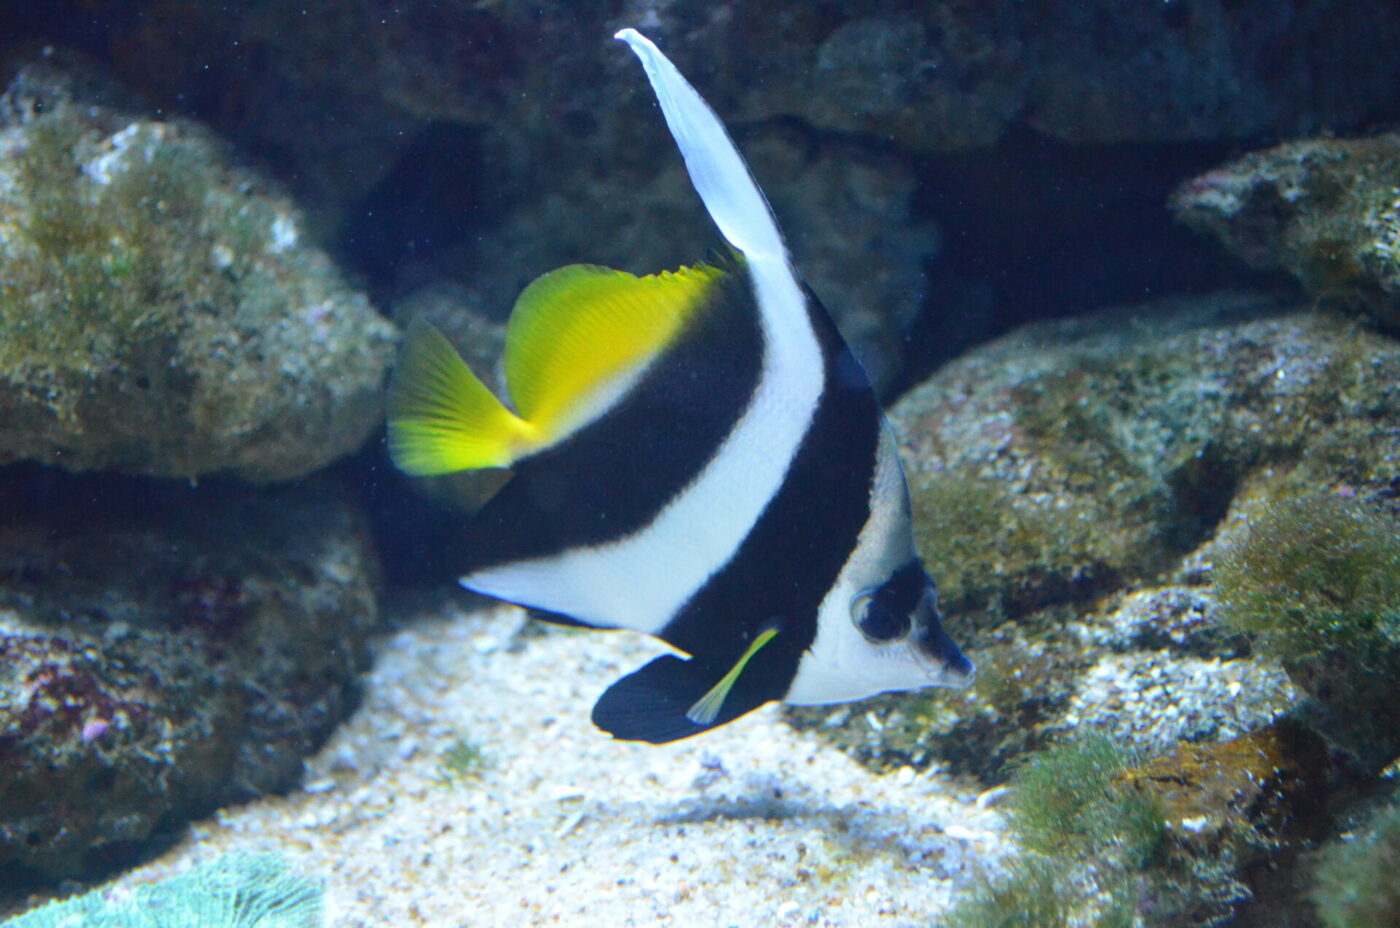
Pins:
<point x="706" y="708"/>
<point x="442" y="418"/>
<point x="576" y="331"/>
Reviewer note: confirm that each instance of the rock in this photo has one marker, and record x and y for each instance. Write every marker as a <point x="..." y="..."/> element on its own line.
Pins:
<point x="160" y="311"/>
<point x="1070" y="458"/>
<point x="1237" y="799"/>
<point x="1314" y="577"/>
<point x="930" y="76"/>
<point x="493" y="142"/>
<point x="945" y="76"/>
<point x="165" y="650"/>
<point x="1235" y="814"/>
<point x="1325" y="210"/>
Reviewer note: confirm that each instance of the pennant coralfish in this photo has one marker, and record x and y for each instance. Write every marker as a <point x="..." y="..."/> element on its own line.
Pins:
<point x="697" y="456"/>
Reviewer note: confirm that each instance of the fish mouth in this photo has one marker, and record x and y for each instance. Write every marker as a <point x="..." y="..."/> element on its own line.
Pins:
<point x="943" y="660"/>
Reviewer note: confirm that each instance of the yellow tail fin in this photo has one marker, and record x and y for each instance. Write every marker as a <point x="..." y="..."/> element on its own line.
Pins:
<point x="442" y="418"/>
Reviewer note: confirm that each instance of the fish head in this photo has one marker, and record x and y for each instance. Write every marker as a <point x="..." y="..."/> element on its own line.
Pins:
<point x="886" y="637"/>
<point x="899" y="619"/>
<point x="879" y="628"/>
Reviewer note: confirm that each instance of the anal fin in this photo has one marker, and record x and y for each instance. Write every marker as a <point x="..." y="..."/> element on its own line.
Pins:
<point x="652" y="704"/>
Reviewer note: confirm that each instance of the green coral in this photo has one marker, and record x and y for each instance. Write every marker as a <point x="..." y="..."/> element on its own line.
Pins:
<point x="1314" y="573"/>
<point x="234" y="891"/>
<point x="1355" y="882"/>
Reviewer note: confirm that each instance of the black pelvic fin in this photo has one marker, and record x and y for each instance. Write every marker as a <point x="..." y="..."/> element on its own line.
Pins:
<point x="650" y="704"/>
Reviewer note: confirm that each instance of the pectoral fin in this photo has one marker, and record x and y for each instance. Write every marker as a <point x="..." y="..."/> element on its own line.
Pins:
<point x="708" y="707"/>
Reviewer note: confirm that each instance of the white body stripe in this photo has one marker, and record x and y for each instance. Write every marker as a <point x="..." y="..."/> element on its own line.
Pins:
<point x="640" y="581"/>
<point x="840" y="665"/>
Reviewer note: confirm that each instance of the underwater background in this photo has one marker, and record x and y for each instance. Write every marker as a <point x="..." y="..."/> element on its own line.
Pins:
<point x="1127" y="275"/>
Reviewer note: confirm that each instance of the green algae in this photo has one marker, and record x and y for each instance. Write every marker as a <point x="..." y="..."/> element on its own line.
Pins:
<point x="1315" y="572"/>
<point x="1027" y="894"/>
<point x="1108" y="839"/>
<point x="1355" y="883"/>
<point x="460" y="762"/>
<point x="1314" y="579"/>
<point x="1069" y="801"/>
<point x="1088" y="839"/>
<point x="101" y="261"/>
<point x="161" y="314"/>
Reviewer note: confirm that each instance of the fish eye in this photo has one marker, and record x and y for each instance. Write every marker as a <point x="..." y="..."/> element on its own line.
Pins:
<point x="875" y="619"/>
<point x="858" y="604"/>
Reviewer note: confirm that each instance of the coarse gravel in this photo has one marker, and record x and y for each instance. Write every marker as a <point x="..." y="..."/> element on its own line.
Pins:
<point x="751" y="824"/>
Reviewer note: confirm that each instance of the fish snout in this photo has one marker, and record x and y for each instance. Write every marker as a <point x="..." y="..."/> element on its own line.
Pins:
<point x="944" y="660"/>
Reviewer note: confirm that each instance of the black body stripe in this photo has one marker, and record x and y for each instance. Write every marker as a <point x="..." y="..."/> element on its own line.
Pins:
<point x="792" y="557"/>
<point x="613" y="476"/>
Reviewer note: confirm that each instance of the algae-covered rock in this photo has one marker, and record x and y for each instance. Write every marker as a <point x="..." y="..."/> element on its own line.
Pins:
<point x="1173" y="841"/>
<point x="164" y="650"/>
<point x="160" y="311"/>
<point x="1354" y="884"/>
<point x="1314" y="577"/>
<point x="1325" y="210"/>
<point x="1070" y="458"/>
<point x="1237" y="800"/>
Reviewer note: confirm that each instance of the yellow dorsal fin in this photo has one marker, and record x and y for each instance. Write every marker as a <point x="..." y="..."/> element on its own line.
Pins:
<point x="576" y="331"/>
<point x="706" y="708"/>
<point x="442" y="418"/>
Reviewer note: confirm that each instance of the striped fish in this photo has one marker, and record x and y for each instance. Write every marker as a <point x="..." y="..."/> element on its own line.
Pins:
<point x="697" y="456"/>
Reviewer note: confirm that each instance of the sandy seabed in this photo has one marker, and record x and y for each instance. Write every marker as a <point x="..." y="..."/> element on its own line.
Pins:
<point x="753" y="824"/>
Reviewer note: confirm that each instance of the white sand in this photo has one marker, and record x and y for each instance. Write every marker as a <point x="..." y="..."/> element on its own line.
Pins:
<point x="754" y="824"/>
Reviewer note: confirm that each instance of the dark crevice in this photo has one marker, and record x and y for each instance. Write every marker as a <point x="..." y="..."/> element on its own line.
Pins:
<point x="1039" y="229"/>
